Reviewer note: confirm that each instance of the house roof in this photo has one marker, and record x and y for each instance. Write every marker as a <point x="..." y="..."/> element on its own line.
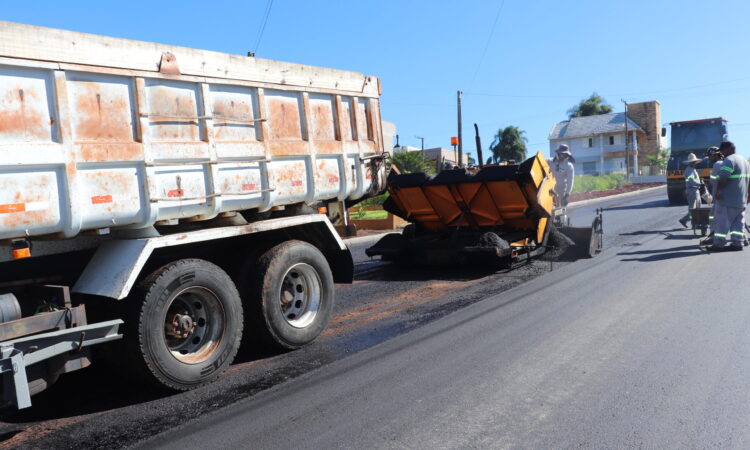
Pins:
<point x="591" y="125"/>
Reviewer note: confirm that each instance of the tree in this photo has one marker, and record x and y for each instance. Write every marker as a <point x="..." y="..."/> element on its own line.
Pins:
<point x="509" y="143"/>
<point x="591" y="106"/>
<point x="659" y="160"/>
<point x="411" y="162"/>
<point x="472" y="161"/>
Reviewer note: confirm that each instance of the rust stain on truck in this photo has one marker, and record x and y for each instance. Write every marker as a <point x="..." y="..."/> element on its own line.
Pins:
<point x="17" y="118"/>
<point x="127" y="133"/>
<point x="102" y="116"/>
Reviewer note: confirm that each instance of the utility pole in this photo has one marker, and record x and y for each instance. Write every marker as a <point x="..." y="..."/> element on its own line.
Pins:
<point x="460" y="138"/>
<point x="627" y="147"/>
<point x="421" y="139"/>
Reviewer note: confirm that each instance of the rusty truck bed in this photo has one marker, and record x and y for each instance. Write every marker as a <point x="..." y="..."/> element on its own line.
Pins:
<point x="100" y="132"/>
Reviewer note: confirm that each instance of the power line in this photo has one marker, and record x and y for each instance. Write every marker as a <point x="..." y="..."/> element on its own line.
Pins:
<point x="490" y="94"/>
<point x="266" y="13"/>
<point x="716" y="83"/>
<point x="487" y="44"/>
<point x="672" y="90"/>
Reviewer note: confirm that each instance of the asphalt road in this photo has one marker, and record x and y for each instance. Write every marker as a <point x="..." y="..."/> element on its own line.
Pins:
<point x="95" y="408"/>
<point x="646" y="346"/>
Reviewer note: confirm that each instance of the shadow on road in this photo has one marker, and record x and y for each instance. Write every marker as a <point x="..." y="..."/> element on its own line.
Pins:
<point x="668" y="255"/>
<point x="668" y="234"/>
<point x="648" y="232"/>
<point x="92" y="390"/>
<point x="663" y="254"/>
<point x="682" y="237"/>
<point x="651" y="204"/>
<point x="656" y="251"/>
<point x="101" y="388"/>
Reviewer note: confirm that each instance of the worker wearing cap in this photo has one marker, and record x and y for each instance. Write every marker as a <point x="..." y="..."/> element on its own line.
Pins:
<point x="563" y="171"/>
<point x="731" y="200"/>
<point x="692" y="186"/>
<point x="716" y="159"/>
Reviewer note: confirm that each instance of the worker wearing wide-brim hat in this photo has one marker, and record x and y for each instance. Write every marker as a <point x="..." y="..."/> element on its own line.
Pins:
<point x="563" y="171"/>
<point x="692" y="186"/>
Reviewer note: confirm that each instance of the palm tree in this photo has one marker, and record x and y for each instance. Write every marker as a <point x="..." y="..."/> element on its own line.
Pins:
<point x="411" y="162"/>
<point x="591" y="106"/>
<point x="659" y="161"/>
<point x="509" y="144"/>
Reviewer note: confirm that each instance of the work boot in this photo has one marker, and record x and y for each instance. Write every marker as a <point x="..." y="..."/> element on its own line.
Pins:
<point x="683" y="222"/>
<point x="736" y="248"/>
<point x="716" y="248"/>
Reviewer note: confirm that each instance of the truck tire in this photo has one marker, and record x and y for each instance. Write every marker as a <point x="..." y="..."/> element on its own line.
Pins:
<point x="289" y="296"/>
<point x="185" y="325"/>
<point x="676" y="196"/>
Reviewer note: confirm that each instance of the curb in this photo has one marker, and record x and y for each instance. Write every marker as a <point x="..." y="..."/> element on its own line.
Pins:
<point x="615" y="197"/>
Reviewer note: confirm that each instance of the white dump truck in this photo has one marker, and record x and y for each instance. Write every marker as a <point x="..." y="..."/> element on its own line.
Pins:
<point x="166" y="199"/>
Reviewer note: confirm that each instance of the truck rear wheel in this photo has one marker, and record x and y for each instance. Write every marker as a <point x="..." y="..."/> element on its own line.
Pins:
<point x="289" y="297"/>
<point x="676" y="196"/>
<point x="187" y="326"/>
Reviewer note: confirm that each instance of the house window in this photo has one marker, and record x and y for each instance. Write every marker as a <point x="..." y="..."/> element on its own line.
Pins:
<point x="589" y="168"/>
<point x="591" y="142"/>
<point x="611" y="140"/>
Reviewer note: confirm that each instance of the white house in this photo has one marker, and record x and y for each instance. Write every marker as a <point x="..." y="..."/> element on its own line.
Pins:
<point x="598" y="142"/>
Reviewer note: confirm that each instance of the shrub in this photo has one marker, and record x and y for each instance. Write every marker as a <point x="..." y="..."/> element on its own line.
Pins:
<point x="593" y="183"/>
<point x="375" y="201"/>
<point x="369" y="215"/>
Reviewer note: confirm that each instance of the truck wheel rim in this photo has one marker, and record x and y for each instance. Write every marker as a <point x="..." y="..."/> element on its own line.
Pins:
<point x="300" y="295"/>
<point x="194" y="325"/>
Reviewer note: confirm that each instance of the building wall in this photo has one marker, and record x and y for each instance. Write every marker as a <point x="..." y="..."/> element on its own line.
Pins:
<point x="441" y="152"/>
<point x="389" y="135"/>
<point x="580" y="149"/>
<point x="648" y="116"/>
<point x="589" y="160"/>
<point x="611" y="165"/>
<point x="614" y="165"/>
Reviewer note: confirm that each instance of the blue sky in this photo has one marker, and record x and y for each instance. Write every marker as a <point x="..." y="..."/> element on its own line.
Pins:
<point x="541" y="59"/>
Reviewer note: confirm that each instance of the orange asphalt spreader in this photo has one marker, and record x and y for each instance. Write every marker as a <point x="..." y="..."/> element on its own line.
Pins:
<point x="499" y="213"/>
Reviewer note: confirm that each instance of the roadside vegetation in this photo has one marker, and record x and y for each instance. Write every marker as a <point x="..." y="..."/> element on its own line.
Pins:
<point x="411" y="162"/>
<point x="592" y="106"/>
<point x="375" y="201"/>
<point x="363" y="214"/>
<point x="509" y="144"/>
<point x="659" y="161"/>
<point x="593" y="183"/>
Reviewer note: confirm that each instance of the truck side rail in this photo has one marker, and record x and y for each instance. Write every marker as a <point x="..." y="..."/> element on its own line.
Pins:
<point x="116" y="265"/>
